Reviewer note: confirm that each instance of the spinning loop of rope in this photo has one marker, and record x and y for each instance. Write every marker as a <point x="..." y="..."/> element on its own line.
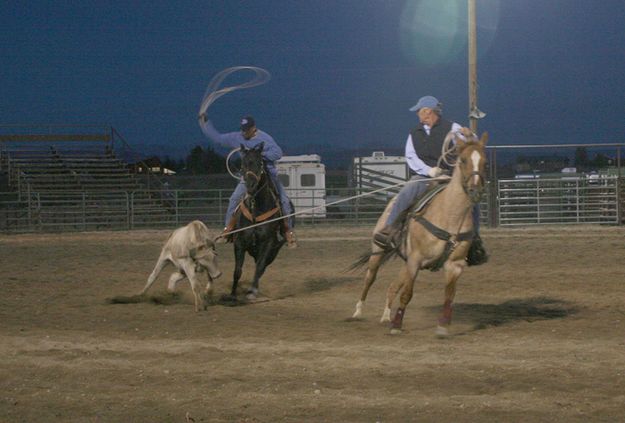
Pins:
<point x="237" y="173"/>
<point x="213" y="92"/>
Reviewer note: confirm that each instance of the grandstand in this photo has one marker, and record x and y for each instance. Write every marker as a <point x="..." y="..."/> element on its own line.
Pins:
<point x="73" y="178"/>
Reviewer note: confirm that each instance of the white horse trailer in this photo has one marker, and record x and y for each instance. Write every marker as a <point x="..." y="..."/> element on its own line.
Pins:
<point x="380" y="171"/>
<point x="304" y="178"/>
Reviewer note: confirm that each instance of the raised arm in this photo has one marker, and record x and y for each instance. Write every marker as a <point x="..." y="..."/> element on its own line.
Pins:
<point x="230" y="139"/>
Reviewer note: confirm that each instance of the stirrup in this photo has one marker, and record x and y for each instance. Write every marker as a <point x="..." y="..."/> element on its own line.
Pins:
<point x="385" y="239"/>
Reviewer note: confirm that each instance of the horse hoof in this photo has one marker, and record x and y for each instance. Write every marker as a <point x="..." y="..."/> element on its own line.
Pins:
<point x="251" y="296"/>
<point x="441" y="331"/>
<point x="395" y="331"/>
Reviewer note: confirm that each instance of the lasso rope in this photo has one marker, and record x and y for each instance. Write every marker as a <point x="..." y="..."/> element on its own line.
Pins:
<point x="332" y="204"/>
<point x="233" y="174"/>
<point x="213" y="92"/>
<point x="448" y="149"/>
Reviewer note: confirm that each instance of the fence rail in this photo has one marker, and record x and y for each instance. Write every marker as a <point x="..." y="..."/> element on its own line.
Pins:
<point x="558" y="201"/>
<point x="506" y="203"/>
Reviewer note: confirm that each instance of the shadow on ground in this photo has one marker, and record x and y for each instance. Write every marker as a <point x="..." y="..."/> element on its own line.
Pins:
<point x="483" y="316"/>
<point x="159" y="298"/>
<point x="323" y="284"/>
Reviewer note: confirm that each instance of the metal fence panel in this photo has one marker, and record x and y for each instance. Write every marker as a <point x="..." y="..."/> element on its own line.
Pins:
<point x="517" y="202"/>
<point x="558" y="201"/>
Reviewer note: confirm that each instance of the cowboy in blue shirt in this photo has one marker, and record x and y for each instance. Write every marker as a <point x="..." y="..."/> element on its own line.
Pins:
<point x="250" y="137"/>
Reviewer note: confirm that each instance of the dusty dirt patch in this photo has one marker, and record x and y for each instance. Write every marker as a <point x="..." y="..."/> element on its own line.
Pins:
<point x="538" y="335"/>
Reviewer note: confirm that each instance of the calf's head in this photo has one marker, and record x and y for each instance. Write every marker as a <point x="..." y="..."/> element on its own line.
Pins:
<point x="205" y="257"/>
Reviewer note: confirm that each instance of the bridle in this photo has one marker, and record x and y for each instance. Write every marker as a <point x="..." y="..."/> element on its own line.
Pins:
<point x="258" y="177"/>
<point x="467" y="178"/>
<point x="248" y="205"/>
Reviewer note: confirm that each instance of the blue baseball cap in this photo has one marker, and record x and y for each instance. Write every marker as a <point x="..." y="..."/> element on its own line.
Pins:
<point x="247" y="122"/>
<point x="427" y="101"/>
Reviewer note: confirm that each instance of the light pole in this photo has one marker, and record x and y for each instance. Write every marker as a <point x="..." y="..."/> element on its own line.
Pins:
<point x="474" y="112"/>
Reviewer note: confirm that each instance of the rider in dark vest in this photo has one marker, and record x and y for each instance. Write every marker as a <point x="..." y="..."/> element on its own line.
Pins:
<point x="428" y="146"/>
<point x="423" y="149"/>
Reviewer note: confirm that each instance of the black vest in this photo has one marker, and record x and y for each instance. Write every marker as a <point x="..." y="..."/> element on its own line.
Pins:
<point x="428" y="147"/>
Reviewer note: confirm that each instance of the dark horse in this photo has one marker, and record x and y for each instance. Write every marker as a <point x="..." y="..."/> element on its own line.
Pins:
<point x="260" y="204"/>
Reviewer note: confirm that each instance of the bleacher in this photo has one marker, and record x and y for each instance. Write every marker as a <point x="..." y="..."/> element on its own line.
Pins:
<point x="74" y="180"/>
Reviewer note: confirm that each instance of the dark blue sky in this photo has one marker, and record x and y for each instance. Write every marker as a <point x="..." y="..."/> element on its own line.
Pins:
<point x="344" y="72"/>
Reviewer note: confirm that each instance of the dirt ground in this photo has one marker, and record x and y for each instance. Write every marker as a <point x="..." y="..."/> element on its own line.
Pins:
<point x="538" y="335"/>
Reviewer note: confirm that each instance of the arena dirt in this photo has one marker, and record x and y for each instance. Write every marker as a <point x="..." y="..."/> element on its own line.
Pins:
<point x="538" y="335"/>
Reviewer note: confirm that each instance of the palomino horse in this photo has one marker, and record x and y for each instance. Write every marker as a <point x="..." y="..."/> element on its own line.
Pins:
<point x="260" y="204"/>
<point x="439" y="235"/>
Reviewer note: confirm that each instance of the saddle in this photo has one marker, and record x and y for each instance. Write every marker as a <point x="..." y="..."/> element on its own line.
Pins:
<point x="477" y="254"/>
<point x="242" y="209"/>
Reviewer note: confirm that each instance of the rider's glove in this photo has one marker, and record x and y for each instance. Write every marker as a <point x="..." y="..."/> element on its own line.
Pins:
<point x="434" y="172"/>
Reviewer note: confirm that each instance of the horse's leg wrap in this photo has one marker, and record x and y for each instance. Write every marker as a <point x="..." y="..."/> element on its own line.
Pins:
<point x="398" y="319"/>
<point x="445" y="319"/>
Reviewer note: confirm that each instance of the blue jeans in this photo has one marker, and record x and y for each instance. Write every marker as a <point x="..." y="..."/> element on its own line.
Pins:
<point x="407" y="195"/>
<point x="239" y="193"/>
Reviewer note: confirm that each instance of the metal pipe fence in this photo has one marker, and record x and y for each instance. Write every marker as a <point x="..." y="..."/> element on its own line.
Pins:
<point x="515" y="202"/>
<point x="558" y="201"/>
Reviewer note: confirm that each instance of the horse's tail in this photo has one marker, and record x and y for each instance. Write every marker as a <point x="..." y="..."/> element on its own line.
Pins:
<point x="364" y="259"/>
<point x="361" y="261"/>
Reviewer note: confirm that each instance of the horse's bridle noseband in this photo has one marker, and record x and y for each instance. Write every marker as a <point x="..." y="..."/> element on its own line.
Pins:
<point x="257" y="177"/>
<point x="466" y="180"/>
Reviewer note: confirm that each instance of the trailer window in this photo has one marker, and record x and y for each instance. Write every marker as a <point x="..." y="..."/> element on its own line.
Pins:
<point x="284" y="179"/>
<point x="308" y="180"/>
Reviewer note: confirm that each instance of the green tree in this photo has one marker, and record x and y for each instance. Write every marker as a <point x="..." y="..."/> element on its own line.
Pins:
<point x="195" y="161"/>
<point x="214" y="162"/>
<point x="201" y="162"/>
<point x="601" y="160"/>
<point x="581" y="157"/>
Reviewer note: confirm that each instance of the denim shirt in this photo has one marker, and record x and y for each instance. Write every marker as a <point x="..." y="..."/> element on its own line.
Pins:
<point x="271" y="151"/>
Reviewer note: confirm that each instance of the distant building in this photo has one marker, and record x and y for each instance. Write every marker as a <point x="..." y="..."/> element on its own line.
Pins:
<point x="153" y="164"/>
